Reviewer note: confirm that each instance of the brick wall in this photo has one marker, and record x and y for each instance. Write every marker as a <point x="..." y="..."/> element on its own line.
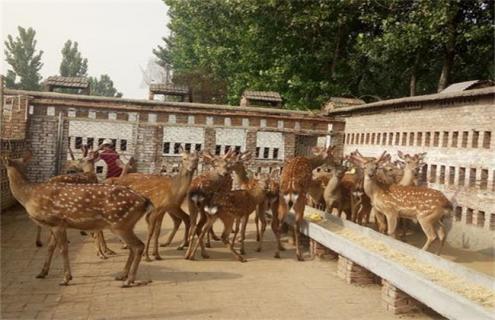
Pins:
<point x="458" y="136"/>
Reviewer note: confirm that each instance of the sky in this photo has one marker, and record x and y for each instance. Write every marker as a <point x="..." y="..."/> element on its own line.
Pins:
<point x="116" y="36"/>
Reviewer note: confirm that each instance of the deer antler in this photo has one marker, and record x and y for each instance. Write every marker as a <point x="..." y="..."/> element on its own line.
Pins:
<point x="71" y="153"/>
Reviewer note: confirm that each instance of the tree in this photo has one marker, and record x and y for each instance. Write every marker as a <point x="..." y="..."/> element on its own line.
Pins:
<point x="103" y="87"/>
<point x="24" y="59"/>
<point x="73" y="64"/>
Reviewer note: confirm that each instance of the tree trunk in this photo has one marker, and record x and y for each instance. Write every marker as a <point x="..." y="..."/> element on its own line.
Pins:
<point x="449" y="51"/>
<point x="336" y="53"/>
<point x="412" y="84"/>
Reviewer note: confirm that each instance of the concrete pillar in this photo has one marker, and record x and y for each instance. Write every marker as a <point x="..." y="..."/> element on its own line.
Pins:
<point x="397" y="301"/>
<point x="351" y="272"/>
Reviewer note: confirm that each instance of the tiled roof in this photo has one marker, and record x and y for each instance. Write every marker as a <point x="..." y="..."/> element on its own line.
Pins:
<point x="167" y="88"/>
<point x="262" y="95"/>
<point x="338" y="102"/>
<point x="468" y="85"/>
<point x="68" y="82"/>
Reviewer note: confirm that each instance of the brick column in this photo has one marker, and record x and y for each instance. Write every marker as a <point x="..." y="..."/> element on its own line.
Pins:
<point x="337" y="139"/>
<point x="351" y="272"/>
<point x="320" y="251"/>
<point x="289" y="145"/>
<point x="210" y="140"/>
<point x="397" y="301"/>
<point x="251" y="142"/>
<point x="148" y="147"/>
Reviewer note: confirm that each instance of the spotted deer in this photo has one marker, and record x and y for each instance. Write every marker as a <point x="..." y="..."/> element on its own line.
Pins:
<point x="427" y="206"/>
<point x="335" y="195"/>
<point x="91" y="207"/>
<point x="317" y="186"/>
<point x="167" y="194"/>
<point x="232" y="207"/>
<point x="294" y="182"/>
<point x="203" y="187"/>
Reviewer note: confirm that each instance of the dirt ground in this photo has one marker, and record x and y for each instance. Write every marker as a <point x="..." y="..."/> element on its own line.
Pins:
<point x="220" y="287"/>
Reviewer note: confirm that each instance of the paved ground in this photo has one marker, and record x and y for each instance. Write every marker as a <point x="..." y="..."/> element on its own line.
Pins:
<point x="218" y="288"/>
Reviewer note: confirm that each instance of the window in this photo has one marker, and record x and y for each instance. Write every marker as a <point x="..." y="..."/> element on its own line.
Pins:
<point x="458" y="214"/>
<point x="480" y="218"/>
<point x="492" y="221"/>
<point x="445" y="139"/>
<point x="411" y="138"/>
<point x="90" y="142"/>
<point x="372" y="138"/>
<point x="484" y="179"/>
<point x="188" y="147"/>
<point x="237" y="149"/>
<point x="123" y="145"/>
<point x="433" y="173"/>
<point x="176" y="148"/>
<point x="476" y="137"/>
<point x="352" y="138"/>
<point x="462" y="176"/>
<point x="346" y="138"/>
<point x="404" y="138"/>
<point x="100" y="141"/>
<point x="441" y="179"/>
<point x="378" y="138"/>
<point x="114" y="142"/>
<point x="427" y="139"/>
<point x="397" y="137"/>
<point x="362" y="138"/>
<point x="218" y="149"/>
<point x="198" y="147"/>
<point x="227" y="148"/>
<point x="384" y="139"/>
<point x="419" y="139"/>
<point x="472" y="177"/>
<point x="469" y="216"/>
<point x="257" y="152"/>
<point x="266" y="152"/>
<point x="79" y="142"/>
<point x="455" y="138"/>
<point x="367" y="138"/>
<point x="390" y="138"/>
<point x="451" y="175"/>
<point x="275" y="153"/>
<point x="464" y="139"/>
<point x="436" y="139"/>
<point x="166" y="147"/>
<point x="487" y="137"/>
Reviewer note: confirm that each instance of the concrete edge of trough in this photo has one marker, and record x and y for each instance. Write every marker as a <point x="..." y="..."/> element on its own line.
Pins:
<point x="443" y="301"/>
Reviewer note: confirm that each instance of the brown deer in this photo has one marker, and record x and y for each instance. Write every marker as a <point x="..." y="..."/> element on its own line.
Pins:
<point x="427" y="206"/>
<point x="95" y="207"/>
<point x="294" y="182"/>
<point x="335" y="195"/>
<point x="317" y="186"/>
<point x="232" y="206"/>
<point x="167" y="194"/>
<point x="203" y="187"/>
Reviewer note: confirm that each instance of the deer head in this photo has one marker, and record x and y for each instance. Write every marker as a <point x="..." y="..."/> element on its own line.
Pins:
<point x="189" y="160"/>
<point x="18" y="164"/>
<point x="223" y="165"/>
<point x="369" y="165"/>
<point x="239" y="161"/>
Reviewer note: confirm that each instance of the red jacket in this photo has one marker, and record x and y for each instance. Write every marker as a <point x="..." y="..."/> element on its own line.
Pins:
<point x="110" y="157"/>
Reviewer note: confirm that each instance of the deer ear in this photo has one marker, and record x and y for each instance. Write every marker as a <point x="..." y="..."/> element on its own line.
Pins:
<point x="400" y="154"/>
<point x="316" y="150"/>
<point x="245" y="156"/>
<point x="421" y="156"/>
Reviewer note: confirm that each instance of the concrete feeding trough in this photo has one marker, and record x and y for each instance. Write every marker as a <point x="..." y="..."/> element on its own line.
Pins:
<point x="407" y="268"/>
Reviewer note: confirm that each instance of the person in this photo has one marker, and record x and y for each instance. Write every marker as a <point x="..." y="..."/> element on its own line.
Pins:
<point x="108" y="154"/>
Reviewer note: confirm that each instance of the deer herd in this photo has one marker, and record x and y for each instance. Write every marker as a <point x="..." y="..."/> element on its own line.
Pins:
<point x="358" y="187"/>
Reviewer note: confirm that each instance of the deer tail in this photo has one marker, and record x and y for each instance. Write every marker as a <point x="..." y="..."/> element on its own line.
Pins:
<point x="149" y="209"/>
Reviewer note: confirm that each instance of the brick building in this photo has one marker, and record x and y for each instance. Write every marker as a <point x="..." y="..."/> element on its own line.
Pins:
<point x="152" y="131"/>
<point x="456" y="129"/>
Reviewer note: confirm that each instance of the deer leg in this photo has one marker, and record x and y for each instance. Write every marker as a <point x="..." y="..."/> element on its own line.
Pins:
<point x="150" y="220"/>
<point x="236" y="230"/>
<point x="380" y="220"/>
<point x="171" y="236"/>
<point x="193" y="215"/>
<point x="156" y="235"/>
<point x="52" y="244"/>
<point x="106" y="249"/>
<point x="38" y="237"/>
<point x="200" y="238"/>
<point x="429" y="231"/>
<point x="277" y="221"/>
<point x="244" y="221"/>
<point x="201" y="224"/>
<point x="392" y="225"/>
<point x="136" y="248"/>
<point x="214" y="236"/>
<point x="99" y="248"/>
<point x="262" y="218"/>
<point x="61" y="236"/>
<point x="185" y="218"/>
<point x="257" y="218"/>
<point x="440" y="229"/>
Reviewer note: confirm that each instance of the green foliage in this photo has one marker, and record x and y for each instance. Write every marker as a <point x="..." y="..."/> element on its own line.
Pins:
<point x="103" y="87"/>
<point x="73" y="64"/>
<point x="24" y="59"/>
<point x="309" y="50"/>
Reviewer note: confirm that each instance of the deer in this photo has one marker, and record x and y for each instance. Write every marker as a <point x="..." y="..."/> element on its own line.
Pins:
<point x="427" y="206"/>
<point x="203" y="187"/>
<point x="232" y="206"/>
<point x="335" y="195"/>
<point x="167" y="194"/>
<point x="91" y="207"/>
<point x="294" y="182"/>
<point x="317" y="186"/>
